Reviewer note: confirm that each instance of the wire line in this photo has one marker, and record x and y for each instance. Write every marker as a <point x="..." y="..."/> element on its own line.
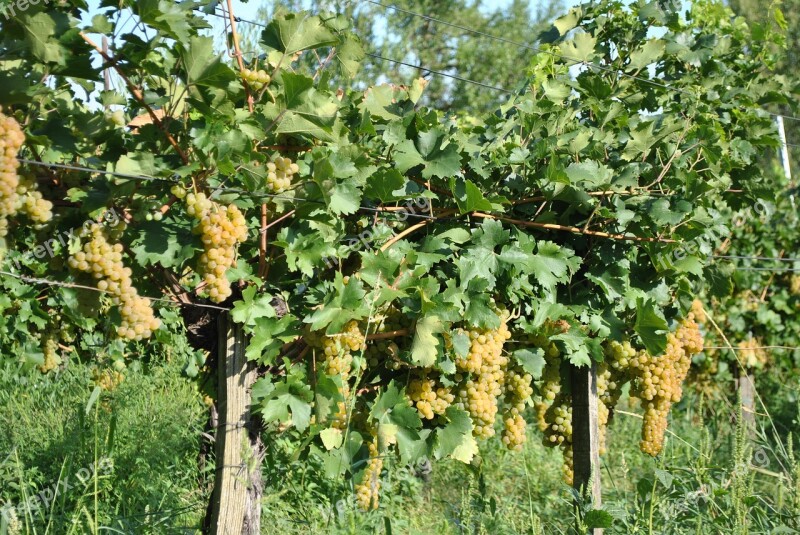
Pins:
<point x="772" y="258"/>
<point x="223" y="189"/>
<point x="48" y="282"/>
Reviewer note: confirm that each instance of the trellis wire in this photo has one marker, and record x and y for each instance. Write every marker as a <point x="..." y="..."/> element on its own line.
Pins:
<point x="47" y="282"/>
<point x="223" y="189"/>
<point x="767" y="258"/>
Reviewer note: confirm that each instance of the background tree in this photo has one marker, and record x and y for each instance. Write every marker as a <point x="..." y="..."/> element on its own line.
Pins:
<point x="403" y="37"/>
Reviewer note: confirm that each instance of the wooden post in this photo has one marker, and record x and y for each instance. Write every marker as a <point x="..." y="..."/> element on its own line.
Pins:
<point x="236" y="499"/>
<point x="747" y="397"/>
<point x="586" y="436"/>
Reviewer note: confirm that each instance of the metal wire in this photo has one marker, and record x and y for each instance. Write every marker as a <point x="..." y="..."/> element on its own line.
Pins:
<point x="92" y="170"/>
<point x="440" y="73"/>
<point x="48" y="282"/>
<point x="223" y="189"/>
<point x="772" y="258"/>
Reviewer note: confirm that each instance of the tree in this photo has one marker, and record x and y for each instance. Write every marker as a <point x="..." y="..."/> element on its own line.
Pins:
<point x="401" y="36"/>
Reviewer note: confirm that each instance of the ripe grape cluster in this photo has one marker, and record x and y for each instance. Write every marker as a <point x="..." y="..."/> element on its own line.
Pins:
<point x="11" y="140"/>
<point x="256" y="79"/>
<point x="338" y="361"/>
<point x="658" y="381"/>
<point x="429" y="396"/>
<point x="549" y="385"/>
<point x="18" y="194"/>
<point x="31" y="202"/>
<point x="486" y="365"/>
<point x="103" y="261"/>
<point x="518" y="391"/>
<point x="280" y="173"/>
<point x="107" y="380"/>
<point x="559" y="431"/>
<point x="221" y="228"/>
<point x="368" y="490"/>
<point x="52" y="360"/>
<point x="751" y="354"/>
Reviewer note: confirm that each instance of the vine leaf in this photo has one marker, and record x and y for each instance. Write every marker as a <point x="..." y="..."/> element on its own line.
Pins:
<point x="346" y="302"/>
<point x="648" y="53"/>
<point x="456" y="434"/>
<point x="284" y="402"/>
<point x="40" y="35"/>
<point x="467" y="195"/>
<point x="432" y="151"/>
<point x="425" y="344"/>
<point x="651" y="327"/>
<point x="203" y="65"/>
<point x="295" y="32"/>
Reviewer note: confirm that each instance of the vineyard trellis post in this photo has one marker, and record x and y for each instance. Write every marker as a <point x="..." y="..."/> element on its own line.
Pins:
<point x="236" y="498"/>
<point x="586" y="436"/>
<point x="745" y="385"/>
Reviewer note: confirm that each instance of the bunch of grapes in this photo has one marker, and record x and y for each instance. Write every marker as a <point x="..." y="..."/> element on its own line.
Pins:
<point x="31" y="202"/>
<point x="615" y="372"/>
<point x="429" y="397"/>
<point x="698" y="311"/>
<point x="368" y="490"/>
<point x="518" y="391"/>
<point x="658" y="381"/>
<point x="107" y="380"/>
<point x="486" y="363"/>
<point x="280" y="173"/>
<point x="550" y="383"/>
<point x="751" y="354"/>
<point x="52" y="360"/>
<point x="256" y="79"/>
<point x="222" y="228"/>
<point x="559" y="431"/>
<point x="11" y="140"/>
<point x="338" y="361"/>
<point x="103" y="261"/>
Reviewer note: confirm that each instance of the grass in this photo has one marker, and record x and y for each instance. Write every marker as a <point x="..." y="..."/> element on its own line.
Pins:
<point x="714" y="477"/>
<point x="148" y="428"/>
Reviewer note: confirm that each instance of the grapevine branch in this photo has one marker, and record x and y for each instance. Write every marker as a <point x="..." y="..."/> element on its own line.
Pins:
<point x="574" y="230"/>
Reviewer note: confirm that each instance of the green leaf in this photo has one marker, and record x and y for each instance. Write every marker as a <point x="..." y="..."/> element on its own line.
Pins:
<point x="580" y="49"/>
<point x="589" y="174"/>
<point x="252" y="307"/>
<point x="425" y="344"/>
<point x="287" y="403"/>
<point x="162" y="242"/>
<point x="332" y="438"/>
<point x="346" y="302"/>
<point x="269" y="335"/>
<point x="175" y="19"/>
<point x="431" y="150"/>
<point x="456" y="433"/>
<point x="41" y="35"/>
<point x="203" y="65"/>
<point x="569" y="21"/>
<point x="383" y="184"/>
<point x="531" y="360"/>
<point x="467" y="195"/>
<point x="651" y="51"/>
<point x="651" y="327"/>
<point x="597" y="518"/>
<point x="295" y="32"/>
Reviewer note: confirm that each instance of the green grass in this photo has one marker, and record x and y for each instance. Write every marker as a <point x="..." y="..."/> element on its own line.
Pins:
<point x="149" y="427"/>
